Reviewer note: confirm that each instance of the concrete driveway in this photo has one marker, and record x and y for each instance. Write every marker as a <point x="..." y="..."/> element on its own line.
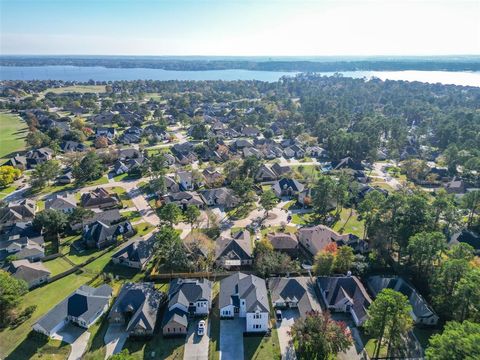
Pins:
<point x="284" y="339"/>
<point x="77" y="337"/>
<point x="114" y="339"/>
<point x="196" y="347"/>
<point x="356" y="351"/>
<point x="231" y="339"/>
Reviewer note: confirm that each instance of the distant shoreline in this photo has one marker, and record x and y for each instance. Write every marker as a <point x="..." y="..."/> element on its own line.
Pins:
<point x="284" y="64"/>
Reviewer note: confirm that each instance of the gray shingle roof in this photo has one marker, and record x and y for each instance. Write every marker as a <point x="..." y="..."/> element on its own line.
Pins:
<point x="251" y="288"/>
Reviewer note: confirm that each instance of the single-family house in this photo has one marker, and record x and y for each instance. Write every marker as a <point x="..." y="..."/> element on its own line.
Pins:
<point x="17" y="211"/>
<point x="316" y="238"/>
<point x="33" y="273"/>
<point x="287" y="187"/>
<point x="421" y="312"/>
<point x="136" y="307"/>
<point x="294" y="293"/>
<point x="284" y="242"/>
<point x="234" y="252"/>
<point x="245" y="296"/>
<point x="99" y="198"/>
<point x="345" y="294"/>
<point x="65" y="203"/>
<point x="184" y="199"/>
<point x="83" y="307"/>
<point x="223" y="197"/>
<point x="99" y="235"/>
<point x="265" y="173"/>
<point x="135" y="255"/>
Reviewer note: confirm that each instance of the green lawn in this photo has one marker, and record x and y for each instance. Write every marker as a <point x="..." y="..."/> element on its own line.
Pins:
<point x="6" y="191"/>
<point x="70" y="187"/>
<point x="349" y="223"/>
<point x="303" y="219"/>
<point x="36" y="346"/>
<point x="133" y="216"/>
<point x="370" y="348"/>
<point x="45" y="298"/>
<point x="57" y="266"/>
<point x="12" y="135"/>
<point x="143" y="228"/>
<point x="76" y="88"/>
<point x="262" y="348"/>
<point x="122" y="194"/>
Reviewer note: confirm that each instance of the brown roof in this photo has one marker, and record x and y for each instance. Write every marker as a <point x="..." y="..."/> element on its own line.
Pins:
<point x="283" y="241"/>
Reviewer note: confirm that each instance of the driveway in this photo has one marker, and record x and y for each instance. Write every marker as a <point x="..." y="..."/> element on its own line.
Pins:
<point x="114" y="339"/>
<point x="77" y="337"/>
<point x="286" y="347"/>
<point x="231" y="339"/>
<point x="196" y="347"/>
<point x="356" y="351"/>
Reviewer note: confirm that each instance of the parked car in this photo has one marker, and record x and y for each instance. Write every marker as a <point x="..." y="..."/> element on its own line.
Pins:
<point x="278" y="315"/>
<point x="201" y="328"/>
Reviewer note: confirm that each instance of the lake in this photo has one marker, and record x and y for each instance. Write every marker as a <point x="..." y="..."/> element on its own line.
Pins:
<point x="97" y="73"/>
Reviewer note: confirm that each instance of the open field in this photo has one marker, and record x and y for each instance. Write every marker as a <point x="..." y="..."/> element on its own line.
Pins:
<point x="12" y="135"/>
<point x="349" y="223"/>
<point x="77" y="88"/>
<point x="57" y="266"/>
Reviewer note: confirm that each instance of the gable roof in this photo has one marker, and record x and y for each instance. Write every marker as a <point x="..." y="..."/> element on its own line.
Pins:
<point x="250" y="288"/>
<point x="27" y="271"/>
<point x="283" y="241"/>
<point x="186" y="291"/>
<point x="60" y="202"/>
<point x="287" y="183"/>
<point x="138" y="251"/>
<point x="299" y="289"/>
<point x="237" y="248"/>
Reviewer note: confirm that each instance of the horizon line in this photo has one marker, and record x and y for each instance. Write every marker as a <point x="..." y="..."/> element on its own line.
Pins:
<point x="251" y="56"/>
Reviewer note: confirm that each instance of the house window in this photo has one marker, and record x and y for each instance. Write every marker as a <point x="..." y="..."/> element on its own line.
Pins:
<point x="257" y="316"/>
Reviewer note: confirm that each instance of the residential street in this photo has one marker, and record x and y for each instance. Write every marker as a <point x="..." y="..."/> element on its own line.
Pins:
<point x="196" y="347"/>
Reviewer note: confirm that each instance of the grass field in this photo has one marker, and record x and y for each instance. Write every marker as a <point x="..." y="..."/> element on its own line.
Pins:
<point x="262" y="348"/>
<point x="45" y="298"/>
<point x="77" y="88"/>
<point x="57" y="266"/>
<point x="12" y="135"/>
<point x="349" y="223"/>
<point x="123" y="196"/>
<point x="8" y="190"/>
<point x="143" y="228"/>
<point x="133" y="216"/>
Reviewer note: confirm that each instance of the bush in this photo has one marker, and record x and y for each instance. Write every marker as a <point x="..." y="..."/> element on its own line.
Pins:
<point x="24" y="316"/>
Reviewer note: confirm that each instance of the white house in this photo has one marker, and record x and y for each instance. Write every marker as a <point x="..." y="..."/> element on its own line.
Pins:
<point x="245" y="296"/>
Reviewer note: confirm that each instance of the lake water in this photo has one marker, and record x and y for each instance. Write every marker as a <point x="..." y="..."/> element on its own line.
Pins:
<point x="79" y="73"/>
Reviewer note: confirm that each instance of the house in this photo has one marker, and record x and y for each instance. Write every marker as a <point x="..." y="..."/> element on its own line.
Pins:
<point x="65" y="203"/>
<point x="99" y="198"/>
<point x="212" y="177"/>
<point x="222" y="197"/>
<point x="136" y="307"/>
<point x="188" y="181"/>
<point x="18" y="161"/>
<point x="347" y="163"/>
<point x="240" y="144"/>
<point x="316" y="238"/>
<point x="250" y="131"/>
<point x="467" y="237"/>
<point x="284" y="242"/>
<point x="72" y="146"/>
<point x="135" y="255"/>
<point x="455" y="187"/>
<point x="280" y="170"/>
<point x="108" y="132"/>
<point x="23" y="241"/>
<point x="128" y="153"/>
<point x="294" y="293"/>
<point x="315" y="152"/>
<point x="107" y="217"/>
<point x="245" y="296"/>
<point x="421" y="312"/>
<point x="17" y="211"/>
<point x="186" y="298"/>
<point x="250" y="151"/>
<point x="33" y="273"/>
<point x="234" y="252"/>
<point x="128" y="165"/>
<point x="66" y="178"/>
<point x="38" y="156"/>
<point x="99" y="235"/>
<point x="184" y="199"/>
<point x="83" y="307"/>
<point x="171" y="185"/>
<point x="287" y="187"/>
<point x="345" y="294"/>
<point x="265" y="173"/>
<point x="294" y="151"/>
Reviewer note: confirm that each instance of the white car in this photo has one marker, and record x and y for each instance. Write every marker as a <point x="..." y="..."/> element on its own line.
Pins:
<point x="201" y="328"/>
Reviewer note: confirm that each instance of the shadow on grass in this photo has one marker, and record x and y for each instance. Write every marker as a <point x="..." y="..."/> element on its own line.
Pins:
<point x="38" y="344"/>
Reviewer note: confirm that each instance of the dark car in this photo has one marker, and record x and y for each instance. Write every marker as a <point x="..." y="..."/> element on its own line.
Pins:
<point x="278" y="315"/>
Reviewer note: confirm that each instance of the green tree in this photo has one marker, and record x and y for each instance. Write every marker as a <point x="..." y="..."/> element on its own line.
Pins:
<point x="268" y="200"/>
<point x="170" y="250"/>
<point x="243" y="188"/>
<point x="425" y="250"/>
<point x="471" y="202"/>
<point x="388" y="320"/>
<point x="344" y="259"/>
<point x="11" y="292"/>
<point x="323" y="263"/>
<point x="192" y="214"/>
<point x="79" y="215"/>
<point x="318" y="337"/>
<point x="88" y="169"/>
<point x="458" y="341"/>
<point x="170" y="213"/>
<point x="371" y="204"/>
<point x="323" y="198"/>
<point x="44" y="173"/>
<point x="122" y="355"/>
<point x="8" y="174"/>
<point x="269" y="262"/>
<point x="52" y="223"/>
<point x="466" y="296"/>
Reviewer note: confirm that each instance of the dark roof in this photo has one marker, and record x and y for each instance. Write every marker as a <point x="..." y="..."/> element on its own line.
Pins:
<point x="250" y="288"/>
<point x="139" y="251"/>
<point x="283" y="241"/>
<point x="186" y="291"/>
<point x="237" y="248"/>
<point x="300" y="290"/>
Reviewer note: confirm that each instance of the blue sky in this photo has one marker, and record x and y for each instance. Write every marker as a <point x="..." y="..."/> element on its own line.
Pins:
<point x="240" y="27"/>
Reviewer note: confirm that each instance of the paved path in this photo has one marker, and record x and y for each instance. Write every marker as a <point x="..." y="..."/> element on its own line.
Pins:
<point x="231" y="339"/>
<point x="114" y="339"/>
<point x="77" y="338"/>
<point x="196" y="347"/>
<point x="380" y="173"/>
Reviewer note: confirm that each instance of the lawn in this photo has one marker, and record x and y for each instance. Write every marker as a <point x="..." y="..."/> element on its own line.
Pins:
<point x="123" y="196"/>
<point x="214" y="320"/>
<point x="77" y="89"/>
<point x="133" y="216"/>
<point x="262" y="348"/>
<point x="57" y="266"/>
<point x="12" y="135"/>
<point x="36" y="346"/>
<point x="303" y="219"/>
<point x="143" y="228"/>
<point x="349" y="223"/>
<point x="70" y="187"/>
<point x="45" y="298"/>
<point x="6" y="191"/>
<point x="370" y="348"/>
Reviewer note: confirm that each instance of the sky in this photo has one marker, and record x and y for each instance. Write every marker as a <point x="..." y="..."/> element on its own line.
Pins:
<point x="239" y="27"/>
